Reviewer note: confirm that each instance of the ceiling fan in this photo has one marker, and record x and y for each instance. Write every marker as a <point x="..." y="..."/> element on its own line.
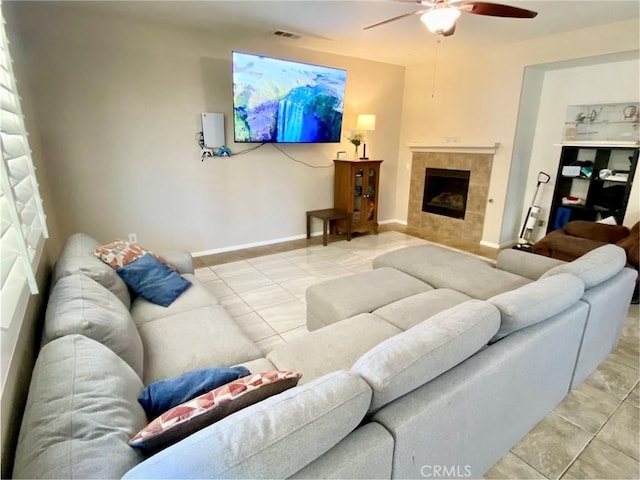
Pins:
<point x="440" y="15"/>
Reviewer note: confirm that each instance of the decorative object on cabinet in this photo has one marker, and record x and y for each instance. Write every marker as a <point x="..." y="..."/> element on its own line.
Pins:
<point x="366" y="123"/>
<point x="600" y="189"/>
<point x="356" y="192"/>
<point x="356" y="138"/>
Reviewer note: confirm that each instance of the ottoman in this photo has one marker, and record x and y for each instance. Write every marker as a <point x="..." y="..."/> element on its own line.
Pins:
<point x="340" y="298"/>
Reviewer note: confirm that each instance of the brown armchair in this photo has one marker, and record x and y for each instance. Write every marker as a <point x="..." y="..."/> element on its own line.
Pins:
<point x="579" y="237"/>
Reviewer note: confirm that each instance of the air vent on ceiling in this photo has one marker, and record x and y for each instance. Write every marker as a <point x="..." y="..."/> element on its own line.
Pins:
<point x="285" y="34"/>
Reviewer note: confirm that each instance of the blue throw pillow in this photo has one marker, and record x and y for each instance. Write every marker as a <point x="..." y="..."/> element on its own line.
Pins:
<point x="153" y="280"/>
<point x="160" y="396"/>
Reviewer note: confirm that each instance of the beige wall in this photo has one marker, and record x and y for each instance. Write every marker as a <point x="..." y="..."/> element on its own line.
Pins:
<point x="118" y="105"/>
<point x="476" y="99"/>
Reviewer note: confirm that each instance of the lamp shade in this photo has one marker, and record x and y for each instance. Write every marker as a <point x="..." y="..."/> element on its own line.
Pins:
<point x="366" y="122"/>
<point x="440" y="20"/>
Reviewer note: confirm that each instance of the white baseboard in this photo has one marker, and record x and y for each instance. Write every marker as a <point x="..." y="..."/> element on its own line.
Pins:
<point x="498" y="246"/>
<point x="393" y="220"/>
<point x="252" y="244"/>
<point x="271" y="242"/>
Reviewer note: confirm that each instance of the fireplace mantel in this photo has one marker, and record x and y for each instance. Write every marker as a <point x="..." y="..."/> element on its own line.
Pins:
<point x="454" y="147"/>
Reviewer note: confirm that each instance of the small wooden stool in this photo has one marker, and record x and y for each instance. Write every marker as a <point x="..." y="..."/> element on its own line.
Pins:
<point x="328" y="215"/>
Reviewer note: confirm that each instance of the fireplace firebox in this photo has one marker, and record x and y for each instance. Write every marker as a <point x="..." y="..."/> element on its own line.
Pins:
<point x="445" y="192"/>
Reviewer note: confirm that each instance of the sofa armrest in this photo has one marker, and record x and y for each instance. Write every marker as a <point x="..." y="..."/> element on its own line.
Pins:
<point x="596" y="231"/>
<point x="180" y="259"/>
<point x="525" y="264"/>
<point x="565" y="247"/>
<point x="273" y="438"/>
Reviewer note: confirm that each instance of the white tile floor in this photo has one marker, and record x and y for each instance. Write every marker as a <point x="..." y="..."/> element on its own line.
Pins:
<point x="266" y="295"/>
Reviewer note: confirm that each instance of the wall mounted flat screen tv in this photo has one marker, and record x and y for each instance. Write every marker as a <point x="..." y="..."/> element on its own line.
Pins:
<point x="286" y="102"/>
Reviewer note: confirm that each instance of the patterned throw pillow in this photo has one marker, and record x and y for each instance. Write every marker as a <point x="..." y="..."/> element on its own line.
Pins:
<point x="121" y="253"/>
<point x="189" y="417"/>
<point x="162" y="395"/>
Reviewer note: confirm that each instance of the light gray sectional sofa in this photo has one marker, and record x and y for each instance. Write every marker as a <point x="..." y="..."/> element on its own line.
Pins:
<point x="433" y="364"/>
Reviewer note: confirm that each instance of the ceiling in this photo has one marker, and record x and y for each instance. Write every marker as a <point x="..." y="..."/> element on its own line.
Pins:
<point x="336" y="26"/>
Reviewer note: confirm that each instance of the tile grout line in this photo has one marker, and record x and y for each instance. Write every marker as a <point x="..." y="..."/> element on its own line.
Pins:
<point x="597" y="432"/>
<point x="277" y="333"/>
<point x="527" y="463"/>
<point x="276" y="282"/>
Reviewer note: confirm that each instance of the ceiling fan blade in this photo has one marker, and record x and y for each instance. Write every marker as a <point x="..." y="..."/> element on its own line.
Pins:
<point x="399" y="17"/>
<point x="495" y="10"/>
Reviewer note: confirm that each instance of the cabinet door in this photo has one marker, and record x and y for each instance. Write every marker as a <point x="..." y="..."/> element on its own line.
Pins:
<point x="358" y="182"/>
<point x="371" y="196"/>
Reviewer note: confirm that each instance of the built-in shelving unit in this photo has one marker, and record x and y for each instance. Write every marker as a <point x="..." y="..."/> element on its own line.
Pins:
<point x="593" y="182"/>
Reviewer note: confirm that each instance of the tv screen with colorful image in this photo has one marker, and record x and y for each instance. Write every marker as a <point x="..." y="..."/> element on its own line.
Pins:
<point x="283" y="101"/>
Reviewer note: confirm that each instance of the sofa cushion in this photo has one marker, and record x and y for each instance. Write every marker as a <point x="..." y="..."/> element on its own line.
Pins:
<point x="199" y="338"/>
<point x="77" y="257"/>
<point x="595" y="266"/>
<point x="445" y="268"/>
<point x="525" y="264"/>
<point x="80" y="305"/>
<point x="181" y="260"/>
<point x="81" y="411"/>
<point x="412" y="310"/>
<point x="287" y="432"/>
<point x="334" y="347"/>
<point x="194" y="297"/>
<point x="536" y="302"/>
<point x="258" y="365"/>
<point x="339" y="298"/>
<point x="210" y="407"/>
<point x="412" y="358"/>
<point x="153" y="280"/>
<point x="162" y="395"/>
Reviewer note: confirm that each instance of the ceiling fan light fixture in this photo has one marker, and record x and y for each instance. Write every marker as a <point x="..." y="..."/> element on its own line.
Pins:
<point x="440" y="20"/>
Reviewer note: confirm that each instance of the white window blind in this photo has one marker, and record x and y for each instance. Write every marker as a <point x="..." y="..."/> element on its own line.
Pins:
<point x="23" y="227"/>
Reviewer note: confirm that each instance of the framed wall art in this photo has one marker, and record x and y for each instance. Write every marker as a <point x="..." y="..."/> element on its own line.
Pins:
<point x="609" y="123"/>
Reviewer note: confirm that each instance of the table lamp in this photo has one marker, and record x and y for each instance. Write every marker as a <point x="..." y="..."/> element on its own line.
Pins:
<point x="367" y="123"/>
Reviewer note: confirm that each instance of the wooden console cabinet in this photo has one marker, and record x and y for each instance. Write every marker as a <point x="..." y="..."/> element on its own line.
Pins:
<point x="356" y="192"/>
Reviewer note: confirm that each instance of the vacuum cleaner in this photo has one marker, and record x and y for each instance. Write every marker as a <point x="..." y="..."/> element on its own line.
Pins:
<point x="532" y="216"/>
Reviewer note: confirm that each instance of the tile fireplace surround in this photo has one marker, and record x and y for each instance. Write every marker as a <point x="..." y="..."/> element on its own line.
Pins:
<point x="476" y="160"/>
